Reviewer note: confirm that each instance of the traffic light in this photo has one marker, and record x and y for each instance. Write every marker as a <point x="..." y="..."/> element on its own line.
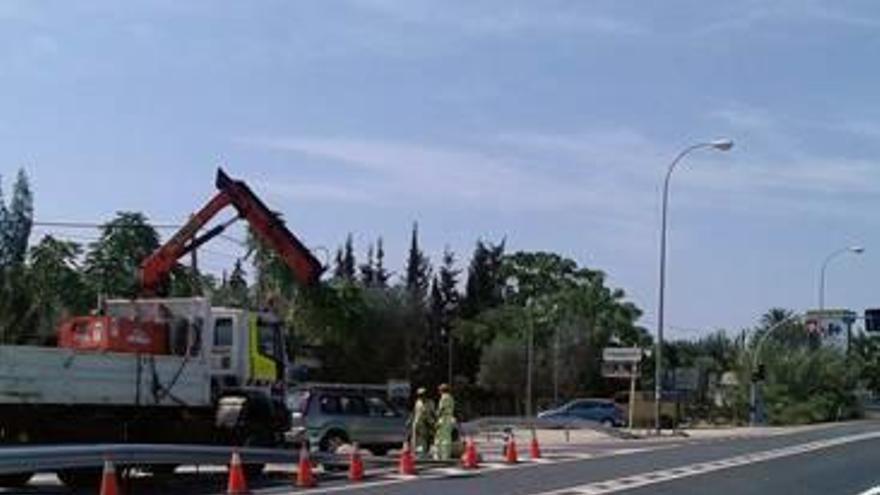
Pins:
<point x="872" y="321"/>
<point x="760" y="374"/>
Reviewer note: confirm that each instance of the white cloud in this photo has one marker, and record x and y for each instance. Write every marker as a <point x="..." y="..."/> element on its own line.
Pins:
<point x="749" y="14"/>
<point x="501" y="18"/>
<point x="311" y="191"/>
<point x="457" y="177"/>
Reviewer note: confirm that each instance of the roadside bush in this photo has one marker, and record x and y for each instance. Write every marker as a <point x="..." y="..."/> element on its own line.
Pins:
<point x="810" y="385"/>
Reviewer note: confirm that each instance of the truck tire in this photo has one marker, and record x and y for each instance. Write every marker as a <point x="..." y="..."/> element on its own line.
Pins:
<point x="81" y="478"/>
<point x="15" y="480"/>
<point x="253" y="471"/>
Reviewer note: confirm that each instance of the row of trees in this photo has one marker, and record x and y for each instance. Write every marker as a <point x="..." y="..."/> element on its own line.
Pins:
<point x="804" y="381"/>
<point x="431" y="324"/>
<point x="450" y="321"/>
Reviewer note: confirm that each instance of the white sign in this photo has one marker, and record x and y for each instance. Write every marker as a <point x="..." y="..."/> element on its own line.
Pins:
<point x="832" y="325"/>
<point x="622" y="355"/>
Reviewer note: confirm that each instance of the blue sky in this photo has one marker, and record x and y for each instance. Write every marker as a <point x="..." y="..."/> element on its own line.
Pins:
<point x="549" y="123"/>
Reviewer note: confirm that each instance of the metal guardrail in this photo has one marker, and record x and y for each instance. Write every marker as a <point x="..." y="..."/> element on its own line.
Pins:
<point x="43" y="458"/>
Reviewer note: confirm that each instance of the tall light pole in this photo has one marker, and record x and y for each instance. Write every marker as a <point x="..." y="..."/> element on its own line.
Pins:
<point x="718" y="144"/>
<point x="850" y="249"/>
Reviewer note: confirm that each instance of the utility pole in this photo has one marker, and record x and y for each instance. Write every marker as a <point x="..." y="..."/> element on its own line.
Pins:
<point x="556" y="367"/>
<point x="531" y="353"/>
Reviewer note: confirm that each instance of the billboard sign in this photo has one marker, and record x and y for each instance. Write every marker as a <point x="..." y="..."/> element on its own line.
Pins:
<point x="832" y="325"/>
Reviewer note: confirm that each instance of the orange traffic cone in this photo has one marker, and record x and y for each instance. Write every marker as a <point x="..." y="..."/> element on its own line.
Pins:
<point x="407" y="462"/>
<point x="470" y="460"/>
<point x="535" y="448"/>
<point x="511" y="457"/>
<point x="237" y="484"/>
<point x="109" y="483"/>
<point x="305" y="478"/>
<point x="356" y="466"/>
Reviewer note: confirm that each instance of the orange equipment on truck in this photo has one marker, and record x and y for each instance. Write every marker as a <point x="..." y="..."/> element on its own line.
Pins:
<point x="151" y="335"/>
<point x="105" y="333"/>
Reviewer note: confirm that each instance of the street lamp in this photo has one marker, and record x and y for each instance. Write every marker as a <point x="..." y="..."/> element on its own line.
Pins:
<point x="720" y="145"/>
<point x="850" y="249"/>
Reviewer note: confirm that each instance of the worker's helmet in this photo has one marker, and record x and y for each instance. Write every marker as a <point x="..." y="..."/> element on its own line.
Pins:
<point x="443" y="388"/>
<point x="421" y="391"/>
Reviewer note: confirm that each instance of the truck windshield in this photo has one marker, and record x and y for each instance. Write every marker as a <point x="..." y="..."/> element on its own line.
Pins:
<point x="269" y="341"/>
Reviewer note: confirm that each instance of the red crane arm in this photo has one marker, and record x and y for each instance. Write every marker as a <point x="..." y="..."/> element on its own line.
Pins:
<point x="268" y="227"/>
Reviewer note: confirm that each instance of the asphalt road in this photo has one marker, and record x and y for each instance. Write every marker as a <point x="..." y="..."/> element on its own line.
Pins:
<point x="845" y="468"/>
<point x="840" y="459"/>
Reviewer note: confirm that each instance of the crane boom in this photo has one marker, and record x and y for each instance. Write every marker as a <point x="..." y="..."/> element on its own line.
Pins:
<point x="266" y="224"/>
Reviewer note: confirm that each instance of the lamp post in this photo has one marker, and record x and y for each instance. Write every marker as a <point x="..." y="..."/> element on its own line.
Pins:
<point x="850" y="249"/>
<point x="720" y="145"/>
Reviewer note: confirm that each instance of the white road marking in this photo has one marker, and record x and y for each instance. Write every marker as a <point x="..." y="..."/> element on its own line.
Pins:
<point x="432" y="474"/>
<point x="871" y="491"/>
<point x="653" y="477"/>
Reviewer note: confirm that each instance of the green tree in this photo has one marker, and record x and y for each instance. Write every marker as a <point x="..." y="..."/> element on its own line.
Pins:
<point x="5" y="234"/>
<point x="368" y="269"/>
<point x="381" y="274"/>
<point x="18" y="311"/>
<point x="810" y="385"/>
<point x="113" y="261"/>
<point x="58" y="286"/>
<point x="420" y="346"/>
<point x="571" y="312"/>
<point x="349" y="265"/>
<point x="233" y="290"/>
<point x="418" y="271"/>
<point x="19" y="220"/>
<point x="484" y="280"/>
<point x="345" y="267"/>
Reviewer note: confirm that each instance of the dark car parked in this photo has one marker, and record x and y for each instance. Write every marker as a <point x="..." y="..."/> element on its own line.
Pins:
<point x="602" y="411"/>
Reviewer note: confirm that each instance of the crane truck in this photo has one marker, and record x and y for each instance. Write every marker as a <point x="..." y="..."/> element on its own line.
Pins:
<point x="160" y="370"/>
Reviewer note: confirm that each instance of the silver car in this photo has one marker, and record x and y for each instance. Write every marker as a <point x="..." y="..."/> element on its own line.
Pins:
<point x="331" y="416"/>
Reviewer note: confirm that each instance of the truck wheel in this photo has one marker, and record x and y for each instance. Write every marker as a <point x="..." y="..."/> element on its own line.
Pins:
<point x="15" y="480"/>
<point x="81" y="479"/>
<point x="253" y="471"/>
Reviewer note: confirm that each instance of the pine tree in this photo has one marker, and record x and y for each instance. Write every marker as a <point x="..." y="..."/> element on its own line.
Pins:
<point x="339" y="265"/>
<point x="238" y="288"/>
<point x="418" y="270"/>
<point x="448" y="286"/>
<point x="484" y="282"/>
<point x="348" y="261"/>
<point x="381" y="275"/>
<point x="5" y="233"/>
<point x="19" y="220"/>
<point x="368" y="270"/>
<point x="445" y="300"/>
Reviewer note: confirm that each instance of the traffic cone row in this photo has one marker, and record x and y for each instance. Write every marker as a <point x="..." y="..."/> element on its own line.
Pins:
<point x="305" y="476"/>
